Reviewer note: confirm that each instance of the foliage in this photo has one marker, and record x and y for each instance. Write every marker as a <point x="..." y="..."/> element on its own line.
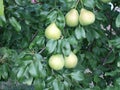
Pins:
<point x="24" y="49"/>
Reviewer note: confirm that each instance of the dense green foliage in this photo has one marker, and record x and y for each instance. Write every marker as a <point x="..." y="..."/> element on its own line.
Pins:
<point x="25" y="51"/>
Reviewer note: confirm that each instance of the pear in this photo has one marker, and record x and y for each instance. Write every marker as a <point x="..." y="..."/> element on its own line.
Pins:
<point x="56" y="62"/>
<point x="52" y="32"/>
<point x="72" y="18"/>
<point x="71" y="60"/>
<point x="106" y="1"/>
<point x="86" y="17"/>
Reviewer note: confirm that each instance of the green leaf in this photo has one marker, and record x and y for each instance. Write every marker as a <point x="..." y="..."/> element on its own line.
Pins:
<point x="40" y="41"/>
<point x="51" y="45"/>
<point x="96" y="88"/>
<point x="78" y="76"/>
<point x="96" y="78"/>
<point x="118" y="64"/>
<point x="118" y="81"/>
<point x="28" y="81"/>
<point x="32" y="70"/>
<point x="89" y="3"/>
<point x="118" y="21"/>
<point x="59" y="46"/>
<point x="72" y="40"/>
<point x="66" y="85"/>
<point x="60" y="20"/>
<point x="56" y="85"/>
<point x="110" y="88"/>
<point x="115" y="42"/>
<point x="80" y="33"/>
<point x="26" y="73"/>
<point x="116" y="87"/>
<point x="93" y="62"/>
<point x="52" y="16"/>
<point x="20" y="72"/>
<point x="19" y="2"/>
<point x="2" y="20"/>
<point x="110" y="59"/>
<point x="91" y="35"/>
<point x="4" y="71"/>
<point x="37" y="40"/>
<point x="100" y="16"/>
<point x="112" y="73"/>
<point x="38" y="57"/>
<point x="39" y="66"/>
<point x="39" y="84"/>
<point x="15" y="24"/>
<point x="66" y="49"/>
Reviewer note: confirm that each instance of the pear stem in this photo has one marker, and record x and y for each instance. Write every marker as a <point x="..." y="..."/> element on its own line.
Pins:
<point x="81" y="3"/>
<point x="77" y="3"/>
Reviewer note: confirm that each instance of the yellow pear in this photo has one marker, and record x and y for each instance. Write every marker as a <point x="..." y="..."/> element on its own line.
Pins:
<point x="71" y="60"/>
<point x="52" y="32"/>
<point x="72" y="18"/>
<point x="56" y="62"/>
<point x="86" y="17"/>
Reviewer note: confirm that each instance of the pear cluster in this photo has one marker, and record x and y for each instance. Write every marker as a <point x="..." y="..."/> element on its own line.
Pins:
<point x="85" y="18"/>
<point x="57" y="61"/>
<point x="72" y="19"/>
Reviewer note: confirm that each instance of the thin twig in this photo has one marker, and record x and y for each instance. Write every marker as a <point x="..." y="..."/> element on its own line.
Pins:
<point x="42" y="50"/>
<point x="107" y="56"/>
<point x="77" y="3"/>
<point x="81" y="3"/>
<point x="36" y="33"/>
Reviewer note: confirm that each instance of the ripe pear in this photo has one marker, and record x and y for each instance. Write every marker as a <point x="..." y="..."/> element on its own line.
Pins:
<point x="71" y="60"/>
<point x="56" y="62"/>
<point x="86" y="17"/>
<point x="72" y="18"/>
<point x="52" y="32"/>
<point x="106" y="1"/>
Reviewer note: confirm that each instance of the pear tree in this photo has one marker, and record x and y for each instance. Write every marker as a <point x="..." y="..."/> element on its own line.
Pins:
<point x="59" y="44"/>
